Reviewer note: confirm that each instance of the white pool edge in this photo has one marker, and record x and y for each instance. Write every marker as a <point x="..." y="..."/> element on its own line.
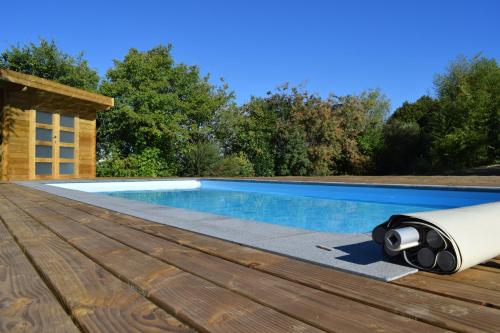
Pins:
<point x="130" y="186"/>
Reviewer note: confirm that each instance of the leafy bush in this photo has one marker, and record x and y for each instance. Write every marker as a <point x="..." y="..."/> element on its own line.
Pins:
<point x="201" y="159"/>
<point x="148" y="163"/>
<point x="236" y="165"/>
<point x="401" y="144"/>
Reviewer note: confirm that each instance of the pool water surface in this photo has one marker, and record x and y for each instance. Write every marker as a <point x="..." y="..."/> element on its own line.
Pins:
<point x="328" y="208"/>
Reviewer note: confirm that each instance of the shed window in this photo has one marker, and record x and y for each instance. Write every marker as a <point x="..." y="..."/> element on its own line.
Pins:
<point x="43" y="168"/>
<point x="43" y="151"/>
<point x="67" y="152"/>
<point x="68" y="137"/>
<point x="66" y="168"/>
<point x="44" y="134"/>
<point x="43" y="117"/>
<point x="67" y="121"/>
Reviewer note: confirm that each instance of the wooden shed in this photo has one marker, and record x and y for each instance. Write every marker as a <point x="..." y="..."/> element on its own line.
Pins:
<point x="48" y="129"/>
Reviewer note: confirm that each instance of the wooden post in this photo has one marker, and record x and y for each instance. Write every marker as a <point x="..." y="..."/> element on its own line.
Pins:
<point x="55" y="144"/>
<point x="32" y="144"/>
<point x="77" y="147"/>
<point x="5" y="137"/>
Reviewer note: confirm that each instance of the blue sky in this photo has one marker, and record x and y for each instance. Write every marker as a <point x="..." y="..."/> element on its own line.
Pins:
<point x="330" y="46"/>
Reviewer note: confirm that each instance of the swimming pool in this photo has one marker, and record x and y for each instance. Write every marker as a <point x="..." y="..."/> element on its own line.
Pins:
<point x="319" y="207"/>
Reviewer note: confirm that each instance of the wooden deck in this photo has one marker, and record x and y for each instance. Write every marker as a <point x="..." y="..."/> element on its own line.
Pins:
<point x="66" y="266"/>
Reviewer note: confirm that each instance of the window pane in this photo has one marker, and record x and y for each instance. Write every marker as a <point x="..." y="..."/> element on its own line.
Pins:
<point x="68" y="121"/>
<point x="68" y="137"/>
<point x="67" y="152"/>
<point x="43" y="151"/>
<point x="44" y="134"/>
<point x="43" y="117"/>
<point x="43" y="168"/>
<point x="66" y="168"/>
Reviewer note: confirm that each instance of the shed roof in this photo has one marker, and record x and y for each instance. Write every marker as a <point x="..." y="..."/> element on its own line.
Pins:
<point x="9" y="78"/>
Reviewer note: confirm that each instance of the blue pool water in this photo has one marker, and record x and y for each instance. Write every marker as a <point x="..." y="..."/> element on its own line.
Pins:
<point x="331" y="208"/>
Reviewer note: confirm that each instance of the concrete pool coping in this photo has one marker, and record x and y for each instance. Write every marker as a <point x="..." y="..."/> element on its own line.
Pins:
<point x="354" y="253"/>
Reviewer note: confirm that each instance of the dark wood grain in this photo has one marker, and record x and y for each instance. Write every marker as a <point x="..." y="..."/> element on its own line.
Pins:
<point x="452" y="288"/>
<point x="471" y="277"/>
<point x="197" y="301"/>
<point x="26" y="303"/>
<point x="487" y="269"/>
<point x="97" y="300"/>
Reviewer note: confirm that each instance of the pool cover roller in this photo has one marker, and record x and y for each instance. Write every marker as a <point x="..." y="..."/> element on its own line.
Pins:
<point x="443" y="241"/>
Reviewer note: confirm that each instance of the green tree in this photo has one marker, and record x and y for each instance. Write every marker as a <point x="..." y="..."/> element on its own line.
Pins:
<point x="322" y="127"/>
<point x="361" y="120"/>
<point x="45" y="60"/>
<point x="467" y="131"/>
<point x="457" y="129"/>
<point x="293" y="132"/>
<point x="257" y="135"/>
<point x="375" y="106"/>
<point x="158" y="104"/>
<point x="408" y="136"/>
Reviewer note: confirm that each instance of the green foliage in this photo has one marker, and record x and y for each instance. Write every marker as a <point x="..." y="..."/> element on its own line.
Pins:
<point x="402" y="140"/>
<point x="407" y="138"/>
<point x="370" y="141"/>
<point x="169" y="120"/>
<point x="258" y="130"/>
<point x="458" y="129"/>
<point x="149" y="163"/>
<point x="291" y="150"/>
<point x="201" y="159"/>
<point x="468" y="131"/>
<point x="159" y="104"/>
<point x="236" y="165"/>
<point x="45" y="60"/>
<point x="293" y="132"/>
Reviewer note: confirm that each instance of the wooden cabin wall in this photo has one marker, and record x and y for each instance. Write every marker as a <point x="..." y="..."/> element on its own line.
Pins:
<point x="19" y="129"/>
<point x="1" y="134"/>
<point x="16" y="135"/>
<point x="87" y="146"/>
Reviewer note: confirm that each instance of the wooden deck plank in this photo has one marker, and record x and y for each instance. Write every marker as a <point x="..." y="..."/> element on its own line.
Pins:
<point x="26" y="303"/>
<point x="471" y="277"/>
<point x="486" y="268"/>
<point x="321" y="309"/>
<point x="98" y="301"/>
<point x="451" y="288"/>
<point x="434" y="309"/>
<point x="204" y="305"/>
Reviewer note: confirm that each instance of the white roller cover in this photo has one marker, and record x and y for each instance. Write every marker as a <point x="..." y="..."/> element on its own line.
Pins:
<point x="473" y="232"/>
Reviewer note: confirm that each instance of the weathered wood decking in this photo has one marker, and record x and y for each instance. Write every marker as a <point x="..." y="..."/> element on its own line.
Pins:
<point x="66" y="266"/>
